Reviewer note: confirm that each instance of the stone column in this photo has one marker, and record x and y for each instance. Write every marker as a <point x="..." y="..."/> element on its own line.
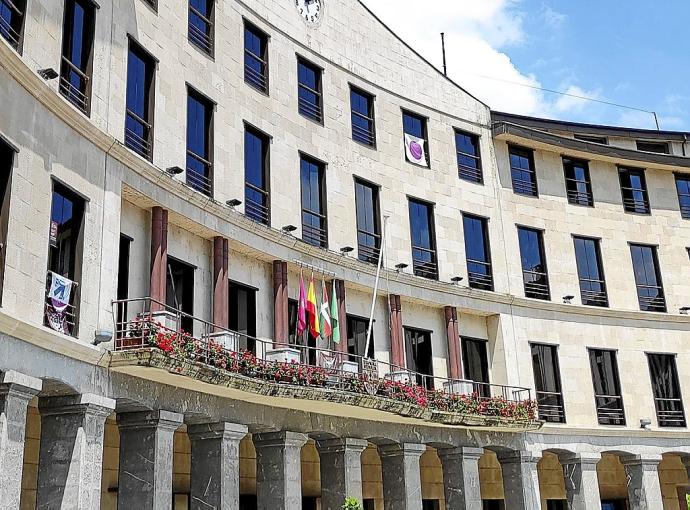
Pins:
<point x="402" y="481"/>
<point x="220" y="282"/>
<point x="341" y="470"/>
<point x="281" y="316"/>
<point x="278" y="470"/>
<point x="16" y="390"/>
<point x="520" y="480"/>
<point x="453" y="340"/>
<point x="397" y="339"/>
<point x="70" y="460"/>
<point x="581" y="481"/>
<point x="215" y="479"/>
<point x="342" y="317"/>
<point x="146" y="459"/>
<point x="461" y="477"/>
<point x="644" y="489"/>
<point x="159" y="256"/>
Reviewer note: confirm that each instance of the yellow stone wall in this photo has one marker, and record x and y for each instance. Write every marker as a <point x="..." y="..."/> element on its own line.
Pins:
<point x="490" y="476"/>
<point x="31" y="448"/>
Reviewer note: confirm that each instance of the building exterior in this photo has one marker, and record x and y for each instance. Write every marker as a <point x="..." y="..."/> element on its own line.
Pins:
<point x="182" y="165"/>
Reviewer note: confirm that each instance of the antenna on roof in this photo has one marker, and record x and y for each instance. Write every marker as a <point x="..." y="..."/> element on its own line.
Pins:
<point x="443" y="49"/>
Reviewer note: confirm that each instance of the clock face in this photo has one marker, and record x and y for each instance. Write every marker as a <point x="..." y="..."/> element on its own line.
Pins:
<point x="310" y="10"/>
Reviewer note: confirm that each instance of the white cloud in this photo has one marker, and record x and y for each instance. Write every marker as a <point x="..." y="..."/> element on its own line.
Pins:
<point x="477" y="34"/>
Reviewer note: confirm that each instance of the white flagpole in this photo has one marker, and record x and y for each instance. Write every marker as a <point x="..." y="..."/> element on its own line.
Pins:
<point x="376" y="287"/>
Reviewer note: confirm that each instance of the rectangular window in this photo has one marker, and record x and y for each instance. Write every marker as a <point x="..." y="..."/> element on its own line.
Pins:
<point x="547" y="383"/>
<point x="650" y="289"/>
<point x="179" y="293"/>
<point x="256" y="176"/>
<point x="309" y="93"/>
<point x="683" y="188"/>
<point x="242" y="315"/>
<point x="7" y="155"/>
<point x="659" y="147"/>
<point x="415" y="125"/>
<point x="314" y="220"/>
<point x="577" y="183"/>
<point x="77" y="53"/>
<point x="475" y="364"/>
<point x="666" y="388"/>
<point x="65" y="255"/>
<point x="200" y="24"/>
<point x="592" y="139"/>
<point x="12" y="22"/>
<point x="522" y="171"/>
<point x="534" y="272"/>
<point x="590" y="272"/>
<point x="469" y="159"/>
<point x="419" y="357"/>
<point x="478" y="252"/>
<point x="141" y="69"/>
<point x="634" y="190"/>
<point x="255" y="57"/>
<point x="423" y="239"/>
<point x="199" y="143"/>
<point x="123" y="282"/>
<point x="363" y="128"/>
<point x="368" y="224"/>
<point x="357" y="328"/>
<point x="607" y="389"/>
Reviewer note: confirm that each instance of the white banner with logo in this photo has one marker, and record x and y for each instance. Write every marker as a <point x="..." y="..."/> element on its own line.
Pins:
<point x="414" y="150"/>
<point x="59" y="294"/>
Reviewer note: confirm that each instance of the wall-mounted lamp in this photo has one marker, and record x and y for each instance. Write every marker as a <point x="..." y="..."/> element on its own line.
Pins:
<point x="645" y="423"/>
<point x="400" y="267"/>
<point x="174" y="170"/>
<point x="233" y="203"/>
<point x="456" y="280"/>
<point x="685" y="310"/>
<point x="288" y="229"/>
<point x="346" y="249"/>
<point x="48" y="73"/>
<point x="568" y="300"/>
<point x="102" y="336"/>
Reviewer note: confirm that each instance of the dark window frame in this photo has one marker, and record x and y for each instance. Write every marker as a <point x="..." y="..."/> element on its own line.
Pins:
<point x="259" y="212"/>
<point x="467" y="173"/>
<point x="605" y="404"/>
<point x="8" y="159"/>
<point x="649" y="303"/>
<point x="350" y="319"/>
<point x="365" y="252"/>
<point x="482" y="387"/>
<point x="234" y="287"/>
<point x="203" y="41"/>
<point x="310" y="110"/>
<point x="477" y="279"/>
<point x="602" y="140"/>
<point x="424" y="378"/>
<point x="652" y="146"/>
<point x="187" y="305"/>
<point x="202" y="183"/>
<point x="684" y="196"/>
<point x="520" y="186"/>
<point x="143" y="147"/>
<point x="573" y="185"/>
<point x="315" y="236"/>
<point x="424" y="121"/>
<point x="13" y="31"/>
<point x="536" y="290"/>
<point x="550" y="402"/>
<point x="257" y="80"/>
<point x="423" y="268"/>
<point x="591" y="297"/>
<point x="631" y="204"/>
<point x="78" y="95"/>
<point x="360" y="135"/>
<point x="670" y="411"/>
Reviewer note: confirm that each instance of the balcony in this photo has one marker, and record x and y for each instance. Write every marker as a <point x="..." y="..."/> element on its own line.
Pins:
<point x="199" y="173"/>
<point x="536" y="285"/>
<point x="610" y="409"/>
<point x="256" y="204"/>
<point x="200" y="30"/>
<point x="551" y="407"/>
<point x="635" y="200"/>
<point x="593" y="292"/>
<point x="138" y="134"/>
<point x="74" y="85"/>
<point x="479" y="275"/>
<point x="424" y="262"/>
<point x="313" y="228"/>
<point x="651" y="298"/>
<point x="669" y="412"/>
<point x="147" y="334"/>
<point x="255" y="71"/>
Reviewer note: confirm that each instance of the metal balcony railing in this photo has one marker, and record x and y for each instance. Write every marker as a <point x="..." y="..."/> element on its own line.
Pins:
<point x="133" y="139"/>
<point x="200" y="37"/>
<point x="551" y="407"/>
<point x="256" y="204"/>
<point x="575" y="193"/>
<point x="257" y="78"/>
<point x="74" y="84"/>
<point x="424" y="262"/>
<point x="536" y="285"/>
<point x="593" y="292"/>
<point x="524" y="186"/>
<point x="635" y="200"/>
<point x="470" y="173"/>
<point x="360" y="134"/>
<point x="670" y="412"/>
<point x="311" y="233"/>
<point x="368" y="246"/>
<point x="140" y="321"/>
<point x="7" y="31"/>
<point x="651" y="298"/>
<point x="610" y="409"/>
<point x="310" y="109"/>
<point x="199" y="173"/>
<point x="479" y="274"/>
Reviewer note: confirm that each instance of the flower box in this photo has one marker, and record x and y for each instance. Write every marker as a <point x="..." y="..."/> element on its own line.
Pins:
<point x="458" y="387"/>
<point x="283" y="355"/>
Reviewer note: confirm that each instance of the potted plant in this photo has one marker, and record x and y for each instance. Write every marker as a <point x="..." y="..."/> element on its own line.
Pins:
<point x="352" y="504"/>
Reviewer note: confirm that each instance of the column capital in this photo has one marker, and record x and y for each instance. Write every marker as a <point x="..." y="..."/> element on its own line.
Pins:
<point x="86" y="403"/>
<point x="161" y="419"/>
<point x="401" y="449"/>
<point x="459" y="453"/>
<point x="518" y="456"/>
<point x="278" y="439"/>
<point x="641" y="460"/>
<point x="218" y="430"/>
<point x="19" y="384"/>
<point x="340" y="445"/>
<point x="583" y="459"/>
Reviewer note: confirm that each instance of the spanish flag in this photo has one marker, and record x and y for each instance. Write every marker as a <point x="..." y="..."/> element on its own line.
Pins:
<point x="312" y="310"/>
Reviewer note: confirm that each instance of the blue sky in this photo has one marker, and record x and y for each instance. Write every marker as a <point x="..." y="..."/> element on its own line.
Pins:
<point x="627" y="52"/>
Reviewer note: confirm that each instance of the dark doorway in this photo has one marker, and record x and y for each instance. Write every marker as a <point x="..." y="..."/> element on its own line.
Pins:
<point x="419" y="359"/>
<point x="179" y="292"/>
<point x="243" y="314"/>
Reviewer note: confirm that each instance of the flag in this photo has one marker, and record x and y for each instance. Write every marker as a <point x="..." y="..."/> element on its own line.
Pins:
<point x="301" y="308"/>
<point x="414" y="150"/>
<point x="334" y="316"/>
<point x="311" y="309"/>
<point x="59" y="292"/>
<point x="326" y="329"/>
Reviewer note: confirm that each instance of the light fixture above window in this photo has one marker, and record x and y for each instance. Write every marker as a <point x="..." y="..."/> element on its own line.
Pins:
<point x="174" y="170"/>
<point x="456" y="280"/>
<point x="48" y="73"/>
<point x="346" y="249"/>
<point x="568" y="300"/>
<point x="400" y="267"/>
<point x="233" y="203"/>
<point x="288" y="229"/>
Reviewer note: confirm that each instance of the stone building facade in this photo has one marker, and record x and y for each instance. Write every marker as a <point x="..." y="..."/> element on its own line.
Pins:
<point x="129" y="160"/>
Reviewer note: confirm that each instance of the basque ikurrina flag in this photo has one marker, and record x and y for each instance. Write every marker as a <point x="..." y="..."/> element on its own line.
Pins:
<point x="311" y="309"/>
<point x="334" y="316"/>
<point x="326" y="328"/>
<point x="301" y="308"/>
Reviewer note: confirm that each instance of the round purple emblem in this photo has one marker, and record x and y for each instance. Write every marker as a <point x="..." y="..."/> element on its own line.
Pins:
<point x="415" y="150"/>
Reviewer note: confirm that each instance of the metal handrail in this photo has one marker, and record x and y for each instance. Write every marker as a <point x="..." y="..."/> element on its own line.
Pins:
<point x="360" y="134"/>
<point x="470" y="174"/>
<point x="257" y="211"/>
<point x="10" y="34"/>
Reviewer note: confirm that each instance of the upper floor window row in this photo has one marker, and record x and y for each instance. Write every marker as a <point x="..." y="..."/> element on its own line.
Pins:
<point x="255" y="57"/>
<point x="141" y="72"/>
<point x="200" y="24"/>
<point x="309" y="91"/>
<point x="522" y="171"/>
<point x="76" y="66"/>
<point x="12" y="22"/>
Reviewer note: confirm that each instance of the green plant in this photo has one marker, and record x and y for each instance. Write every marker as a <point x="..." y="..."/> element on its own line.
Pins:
<point x="352" y="504"/>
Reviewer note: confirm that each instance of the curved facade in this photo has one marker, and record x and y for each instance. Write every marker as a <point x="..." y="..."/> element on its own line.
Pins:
<point x="199" y="159"/>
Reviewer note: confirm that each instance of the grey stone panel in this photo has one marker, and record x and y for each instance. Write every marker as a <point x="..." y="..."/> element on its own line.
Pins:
<point x="520" y="480"/>
<point x="461" y="477"/>
<point x="146" y="459"/>
<point x="341" y="470"/>
<point x="581" y="481"/>
<point x="402" y="482"/>
<point x="644" y="488"/>
<point x="71" y="451"/>
<point x="278" y="470"/>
